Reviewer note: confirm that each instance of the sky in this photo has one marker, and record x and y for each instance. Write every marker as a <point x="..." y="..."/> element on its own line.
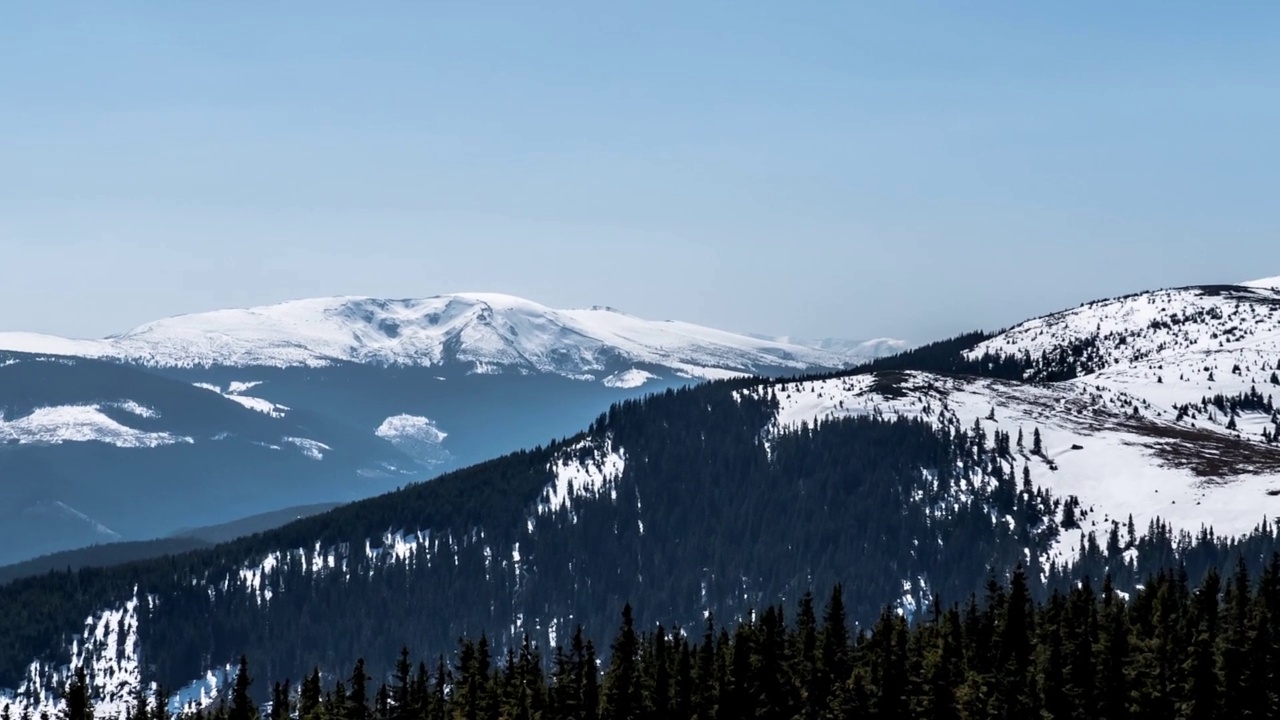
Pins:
<point x="854" y="170"/>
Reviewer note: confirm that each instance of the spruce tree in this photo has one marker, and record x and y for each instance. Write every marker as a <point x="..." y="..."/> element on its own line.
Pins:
<point x="281" y="701"/>
<point x="1201" y="702"/>
<point x="804" y="656"/>
<point x="358" y="699"/>
<point x="309" y="696"/>
<point x="402" y="685"/>
<point x="1014" y="653"/>
<point x="77" y="703"/>
<point x="833" y="667"/>
<point x="622" y="685"/>
<point x="242" y="707"/>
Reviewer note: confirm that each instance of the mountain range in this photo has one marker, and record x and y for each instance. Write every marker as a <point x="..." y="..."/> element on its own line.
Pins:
<point x="1118" y="438"/>
<point x="487" y="332"/>
<point x="207" y="418"/>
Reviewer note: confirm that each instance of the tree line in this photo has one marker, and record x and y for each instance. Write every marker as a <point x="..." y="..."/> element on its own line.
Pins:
<point x="1208" y="649"/>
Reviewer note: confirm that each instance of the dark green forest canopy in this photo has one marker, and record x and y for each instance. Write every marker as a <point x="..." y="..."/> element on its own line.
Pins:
<point x="1208" y="650"/>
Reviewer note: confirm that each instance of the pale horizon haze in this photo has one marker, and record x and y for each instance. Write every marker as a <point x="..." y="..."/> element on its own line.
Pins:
<point x="909" y="170"/>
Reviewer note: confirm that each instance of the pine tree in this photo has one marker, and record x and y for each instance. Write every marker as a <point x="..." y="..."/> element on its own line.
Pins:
<point x="705" y="675"/>
<point x="804" y="656"/>
<point x="438" y="706"/>
<point x="529" y="670"/>
<point x="1202" y="692"/>
<point x="590" y="684"/>
<point x="242" y="707"/>
<point x="889" y="667"/>
<point x="1112" y="656"/>
<point x="77" y="704"/>
<point x="281" y="705"/>
<point x="833" y="662"/>
<point x="309" y="696"/>
<point x="622" y="685"/>
<point x="777" y="696"/>
<point x="1037" y="447"/>
<point x="472" y="679"/>
<point x="1014" y="654"/>
<point x="656" y="694"/>
<point x="358" y="700"/>
<point x="402" y="685"/>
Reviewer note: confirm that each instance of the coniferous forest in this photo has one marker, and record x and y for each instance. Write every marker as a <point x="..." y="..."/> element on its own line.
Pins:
<point x="706" y="516"/>
<point x="1209" y="649"/>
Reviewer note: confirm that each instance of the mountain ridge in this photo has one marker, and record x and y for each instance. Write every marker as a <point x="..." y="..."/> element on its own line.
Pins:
<point x="418" y="387"/>
<point x="485" y="330"/>
<point x="1056" y="444"/>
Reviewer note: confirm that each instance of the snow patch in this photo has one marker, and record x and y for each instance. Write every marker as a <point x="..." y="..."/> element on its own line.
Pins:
<point x="81" y="423"/>
<point x="410" y="428"/>
<point x="130" y="406"/>
<point x="632" y="378"/>
<point x="235" y="393"/>
<point x="1093" y="445"/>
<point x="313" y="449"/>
<point x="107" y="649"/>
<point x="588" y="468"/>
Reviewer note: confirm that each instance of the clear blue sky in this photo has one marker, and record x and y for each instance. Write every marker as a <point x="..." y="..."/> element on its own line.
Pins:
<point x="818" y="169"/>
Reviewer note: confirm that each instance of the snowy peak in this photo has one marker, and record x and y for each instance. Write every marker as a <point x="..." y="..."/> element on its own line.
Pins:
<point x="487" y="331"/>
<point x="1192" y="341"/>
<point x="1272" y="283"/>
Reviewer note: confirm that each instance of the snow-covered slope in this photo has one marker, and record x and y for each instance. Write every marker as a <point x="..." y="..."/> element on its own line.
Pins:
<point x="1120" y="455"/>
<point x="853" y="352"/>
<point x="1167" y="346"/>
<point x="108" y="651"/>
<point x="489" y="332"/>
<point x="82" y="423"/>
<point x="1272" y="283"/>
<point x="1129" y="434"/>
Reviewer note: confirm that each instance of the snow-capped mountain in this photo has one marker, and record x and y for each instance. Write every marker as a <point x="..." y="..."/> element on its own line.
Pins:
<point x="324" y="400"/>
<point x="1163" y="405"/>
<point x="487" y="332"/>
<point x="1166" y="347"/>
<point x="1154" y="407"/>
<point x="852" y="352"/>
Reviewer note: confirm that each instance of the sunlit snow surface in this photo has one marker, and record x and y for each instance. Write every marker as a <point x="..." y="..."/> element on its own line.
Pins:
<point x="488" y="331"/>
<point x="1166" y="346"/>
<point x="83" y="423"/>
<point x="313" y="449"/>
<point x="587" y="469"/>
<point x="1125" y="464"/>
<point x="1272" y="283"/>
<point x="235" y="393"/>
<point x="400" y="428"/>
<point x="632" y="378"/>
<point x="107" y="649"/>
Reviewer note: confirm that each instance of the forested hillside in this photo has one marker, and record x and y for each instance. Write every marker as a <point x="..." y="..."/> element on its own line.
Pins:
<point x="1178" y="648"/>
<point x="909" y="478"/>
